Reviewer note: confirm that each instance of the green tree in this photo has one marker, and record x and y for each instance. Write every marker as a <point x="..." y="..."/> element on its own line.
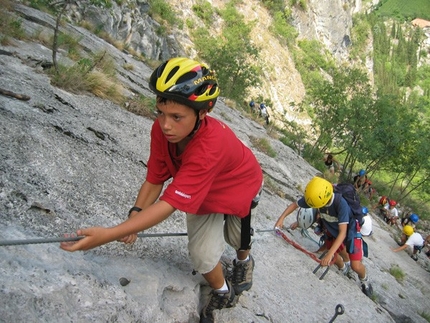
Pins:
<point x="343" y="111"/>
<point x="231" y="54"/>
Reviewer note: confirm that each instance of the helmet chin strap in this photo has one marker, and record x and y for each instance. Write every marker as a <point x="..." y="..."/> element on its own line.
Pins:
<point x="196" y="126"/>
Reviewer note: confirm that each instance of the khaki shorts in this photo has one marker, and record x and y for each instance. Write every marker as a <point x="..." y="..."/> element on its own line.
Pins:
<point x="207" y="235"/>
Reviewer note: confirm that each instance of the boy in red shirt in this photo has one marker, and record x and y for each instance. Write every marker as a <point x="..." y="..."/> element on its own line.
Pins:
<point x="216" y="181"/>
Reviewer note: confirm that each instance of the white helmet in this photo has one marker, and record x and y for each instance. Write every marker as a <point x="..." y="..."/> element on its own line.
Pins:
<point x="306" y="217"/>
<point x="366" y="228"/>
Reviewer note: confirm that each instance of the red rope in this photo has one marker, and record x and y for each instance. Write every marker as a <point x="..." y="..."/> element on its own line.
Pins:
<point x="299" y="247"/>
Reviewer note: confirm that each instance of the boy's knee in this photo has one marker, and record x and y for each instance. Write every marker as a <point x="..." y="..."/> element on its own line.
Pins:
<point x="357" y="266"/>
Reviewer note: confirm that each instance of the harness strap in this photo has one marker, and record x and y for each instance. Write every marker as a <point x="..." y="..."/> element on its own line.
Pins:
<point x="246" y="232"/>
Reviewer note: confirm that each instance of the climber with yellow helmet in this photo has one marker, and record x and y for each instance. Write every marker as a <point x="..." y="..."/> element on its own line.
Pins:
<point x="209" y="174"/>
<point x="340" y="227"/>
<point x="414" y="240"/>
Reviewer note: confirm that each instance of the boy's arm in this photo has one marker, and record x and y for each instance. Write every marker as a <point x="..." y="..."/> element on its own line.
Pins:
<point x="400" y="248"/>
<point x="98" y="236"/>
<point x="336" y="244"/>
<point x="148" y="194"/>
<point x="280" y="222"/>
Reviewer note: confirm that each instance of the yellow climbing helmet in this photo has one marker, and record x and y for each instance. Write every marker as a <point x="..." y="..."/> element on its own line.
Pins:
<point x="186" y="81"/>
<point x="318" y="192"/>
<point x="408" y="230"/>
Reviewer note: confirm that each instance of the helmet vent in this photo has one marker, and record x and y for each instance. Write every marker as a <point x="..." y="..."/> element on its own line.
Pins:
<point x="205" y="71"/>
<point x="172" y="72"/>
<point x="201" y="90"/>
<point x="186" y="77"/>
<point x="213" y="89"/>
<point x="160" y="70"/>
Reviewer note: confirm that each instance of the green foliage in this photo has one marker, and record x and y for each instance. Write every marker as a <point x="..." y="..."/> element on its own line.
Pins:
<point x="311" y="60"/>
<point x="10" y="27"/>
<point x="160" y="9"/>
<point x="425" y="316"/>
<point x="302" y="4"/>
<point x="230" y="54"/>
<point x="404" y="10"/>
<point x="293" y="136"/>
<point x="70" y="44"/>
<point x="143" y="106"/>
<point x="263" y="145"/>
<point x="360" y="34"/>
<point x="205" y="11"/>
<point x="274" y="5"/>
<point x="285" y="32"/>
<point x="397" y="273"/>
<point x="95" y="75"/>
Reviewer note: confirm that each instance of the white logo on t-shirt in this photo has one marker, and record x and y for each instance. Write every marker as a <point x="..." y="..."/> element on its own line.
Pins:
<point x="183" y="194"/>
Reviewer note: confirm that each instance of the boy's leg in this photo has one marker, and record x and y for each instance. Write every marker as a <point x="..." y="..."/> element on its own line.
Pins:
<point x="206" y="242"/>
<point x="206" y="246"/>
<point x="215" y="277"/>
<point x="237" y="233"/>
<point x="359" y="268"/>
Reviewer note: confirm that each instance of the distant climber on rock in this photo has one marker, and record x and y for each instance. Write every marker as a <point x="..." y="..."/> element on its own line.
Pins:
<point x="414" y="241"/>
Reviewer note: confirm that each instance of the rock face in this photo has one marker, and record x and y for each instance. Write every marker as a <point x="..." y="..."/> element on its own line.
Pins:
<point x="69" y="161"/>
<point x="329" y="23"/>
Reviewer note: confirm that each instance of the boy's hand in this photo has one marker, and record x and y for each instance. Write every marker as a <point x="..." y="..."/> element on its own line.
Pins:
<point x="129" y="239"/>
<point x="279" y="224"/>
<point x="93" y="237"/>
<point x="327" y="259"/>
<point x="294" y="225"/>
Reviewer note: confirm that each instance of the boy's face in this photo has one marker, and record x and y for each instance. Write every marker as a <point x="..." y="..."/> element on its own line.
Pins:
<point x="177" y="120"/>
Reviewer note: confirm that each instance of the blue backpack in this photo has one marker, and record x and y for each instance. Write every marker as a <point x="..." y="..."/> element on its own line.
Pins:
<point x="350" y="194"/>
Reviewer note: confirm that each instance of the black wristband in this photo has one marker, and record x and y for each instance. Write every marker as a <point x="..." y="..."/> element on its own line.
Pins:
<point x="134" y="208"/>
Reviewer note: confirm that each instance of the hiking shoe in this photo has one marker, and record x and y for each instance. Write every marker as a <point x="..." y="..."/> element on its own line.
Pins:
<point x="348" y="272"/>
<point x="217" y="301"/>
<point x="414" y="257"/>
<point x="242" y="275"/>
<point x="367" y="289"/>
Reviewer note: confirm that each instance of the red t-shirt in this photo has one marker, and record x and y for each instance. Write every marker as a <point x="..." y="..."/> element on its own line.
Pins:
<point x="216" y="173"/>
